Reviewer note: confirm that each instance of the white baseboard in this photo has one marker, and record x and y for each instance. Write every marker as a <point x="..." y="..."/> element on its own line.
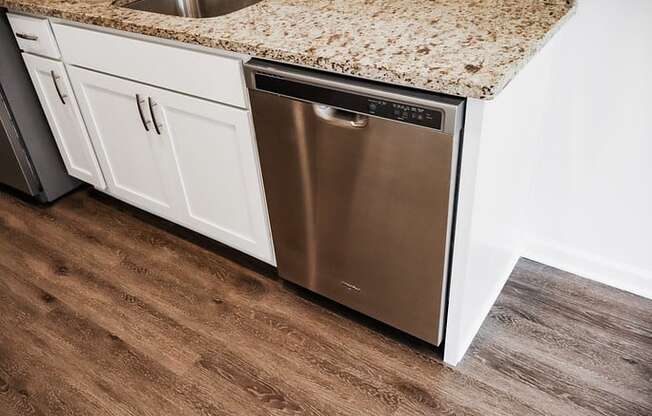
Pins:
<point x="582" y="263"/>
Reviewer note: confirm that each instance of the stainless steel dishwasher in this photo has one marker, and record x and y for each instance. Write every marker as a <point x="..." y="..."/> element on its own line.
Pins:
<point x="360" y="182"/>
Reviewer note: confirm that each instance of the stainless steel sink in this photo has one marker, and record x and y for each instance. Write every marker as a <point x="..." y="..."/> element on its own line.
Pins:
<point x="191" y="8"/>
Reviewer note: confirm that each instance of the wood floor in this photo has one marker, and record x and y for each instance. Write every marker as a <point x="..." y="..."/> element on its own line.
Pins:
<point x="105" y="310"/>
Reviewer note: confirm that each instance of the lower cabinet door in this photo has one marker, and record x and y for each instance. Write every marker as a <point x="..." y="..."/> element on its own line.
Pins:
<point x="219" y="174"/>
<point x="189" y="160"/>
<point x="135" y="160"/>
<point x="53" y="89"/>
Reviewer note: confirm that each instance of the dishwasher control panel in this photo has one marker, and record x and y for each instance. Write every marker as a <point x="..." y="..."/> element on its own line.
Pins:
<point x="351" y="101"/>
<point x="406" y="113"/>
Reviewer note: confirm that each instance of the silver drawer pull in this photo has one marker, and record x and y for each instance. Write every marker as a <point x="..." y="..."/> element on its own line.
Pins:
<point x="139" y="101"/>
<point x="62" y="97"/>
<point x="152" y="104"/>
<point x="25" y="36"/>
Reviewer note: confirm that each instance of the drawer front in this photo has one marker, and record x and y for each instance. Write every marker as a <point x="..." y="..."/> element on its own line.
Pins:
<point x="195" y="73"/>
<point x="34" y="35"/>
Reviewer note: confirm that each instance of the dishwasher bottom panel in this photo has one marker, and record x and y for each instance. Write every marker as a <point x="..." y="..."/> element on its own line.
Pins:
<point x="359" y="213"/>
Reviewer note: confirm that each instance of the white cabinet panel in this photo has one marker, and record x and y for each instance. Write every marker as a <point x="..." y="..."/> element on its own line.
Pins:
<point x="205" y="75"/>
<point x="134" y="161"/>
<point x="189" y="160"/>
<point x="61" y="109"/>
<point x="218" y="169"/>
<point x="34" y="35"/>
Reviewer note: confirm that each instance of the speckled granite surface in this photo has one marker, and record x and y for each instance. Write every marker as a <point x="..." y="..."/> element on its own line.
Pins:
<point x="469" y="48"/>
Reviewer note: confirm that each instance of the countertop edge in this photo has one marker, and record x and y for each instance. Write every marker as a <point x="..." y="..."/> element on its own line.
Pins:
<point x="441" y="85"/>
<point x="510" y="76"/>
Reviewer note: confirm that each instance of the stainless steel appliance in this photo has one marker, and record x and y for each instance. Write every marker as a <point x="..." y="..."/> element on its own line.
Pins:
<point x="29" y="158"/>
<point x="360" y="182"/>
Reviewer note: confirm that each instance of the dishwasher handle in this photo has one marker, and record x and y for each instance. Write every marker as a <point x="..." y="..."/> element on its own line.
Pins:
<point x="340" y="118"/>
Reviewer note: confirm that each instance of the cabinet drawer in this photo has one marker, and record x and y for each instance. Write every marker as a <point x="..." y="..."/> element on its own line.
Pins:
<point x="34" y="35"/>
<point x="195" y="73"/>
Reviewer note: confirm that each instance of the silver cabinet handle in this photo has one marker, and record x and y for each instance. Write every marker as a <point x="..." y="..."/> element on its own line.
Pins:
<point x="25" y="36"/>
<point x="62" y="97"/>
<point x="152" y="104"/>
<point x="140" y="112"/>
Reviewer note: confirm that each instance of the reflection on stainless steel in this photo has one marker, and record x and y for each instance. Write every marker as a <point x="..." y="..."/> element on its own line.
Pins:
<point x="360" y="205"/>
<point x="191" y="8"/>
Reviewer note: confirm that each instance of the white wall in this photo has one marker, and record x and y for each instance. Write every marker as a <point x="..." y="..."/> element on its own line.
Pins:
<point x="591" y="208"/>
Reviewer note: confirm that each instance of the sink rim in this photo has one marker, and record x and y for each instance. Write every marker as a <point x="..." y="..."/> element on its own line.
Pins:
<point x="126" y="4"/>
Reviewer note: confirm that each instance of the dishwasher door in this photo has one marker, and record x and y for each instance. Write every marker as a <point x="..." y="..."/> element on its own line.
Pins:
<point x="360" y="208"/>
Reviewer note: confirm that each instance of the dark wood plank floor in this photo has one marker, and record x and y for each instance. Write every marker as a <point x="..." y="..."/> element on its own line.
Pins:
<point x="105" y="310"/>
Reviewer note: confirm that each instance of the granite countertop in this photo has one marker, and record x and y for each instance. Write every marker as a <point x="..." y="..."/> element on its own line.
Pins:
<point x="468" y="48"/>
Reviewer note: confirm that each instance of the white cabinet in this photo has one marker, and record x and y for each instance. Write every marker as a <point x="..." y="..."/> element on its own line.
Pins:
<point x="179" y="155"/>
<point x="58" y="102"/>
<point x="189" y="160"/>
<point x="218" y="170"/>
<point x="134" y="161"/>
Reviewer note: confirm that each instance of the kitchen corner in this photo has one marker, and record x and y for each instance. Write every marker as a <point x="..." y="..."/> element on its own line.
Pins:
<point x="488" y="62"/>
<point x="325" y="207"/>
